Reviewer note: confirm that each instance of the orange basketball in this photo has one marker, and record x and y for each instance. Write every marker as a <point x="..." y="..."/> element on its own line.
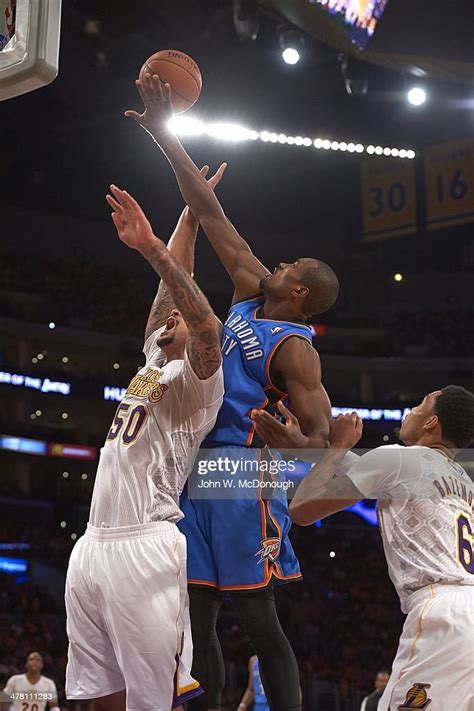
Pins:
<point x="179" y="71"/>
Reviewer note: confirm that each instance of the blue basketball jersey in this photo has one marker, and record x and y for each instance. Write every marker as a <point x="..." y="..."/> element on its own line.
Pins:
<point x="259" y="699"/>
<point x="248" y="346"/>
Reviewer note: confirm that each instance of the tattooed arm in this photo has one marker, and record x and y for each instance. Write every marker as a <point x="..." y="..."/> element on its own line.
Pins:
<point x="181" y="246"/>
<point x="203" y="345"/>
<point x="133" y="228"/>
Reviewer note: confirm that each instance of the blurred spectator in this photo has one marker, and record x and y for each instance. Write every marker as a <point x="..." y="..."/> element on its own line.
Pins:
<point x="371" y="702"/>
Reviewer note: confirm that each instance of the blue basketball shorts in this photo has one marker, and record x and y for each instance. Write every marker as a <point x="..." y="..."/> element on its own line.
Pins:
<point x="236" y="520"/>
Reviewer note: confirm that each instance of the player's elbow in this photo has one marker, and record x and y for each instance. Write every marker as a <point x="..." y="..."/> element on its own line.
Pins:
<point x="299" y="513"/>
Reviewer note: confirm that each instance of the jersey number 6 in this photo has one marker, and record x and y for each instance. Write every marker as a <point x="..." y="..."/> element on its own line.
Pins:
<point x="464" y="540"/>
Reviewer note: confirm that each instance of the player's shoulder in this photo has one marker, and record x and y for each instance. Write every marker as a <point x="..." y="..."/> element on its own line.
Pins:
<point x="296" y="353"/>
<point x="48" y="680"/>
<point x="15" y="678"/>
<point x="399" y="453"/>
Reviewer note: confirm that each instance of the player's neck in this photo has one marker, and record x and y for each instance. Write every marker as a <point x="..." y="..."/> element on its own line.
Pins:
<point x="173" y="353"/>
<point x="448" y="452"/>
<point x="278" y="311"/>
<point x="33" y="677"/>
<point x="443" y="447"/>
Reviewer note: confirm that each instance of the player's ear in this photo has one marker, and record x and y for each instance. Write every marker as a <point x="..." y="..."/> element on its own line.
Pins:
<point x="431" y="423"/>
<point x="300" y="292"/>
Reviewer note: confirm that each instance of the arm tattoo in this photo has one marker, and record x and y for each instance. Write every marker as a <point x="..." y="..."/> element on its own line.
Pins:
<point x="161" y="308"/>
<point x="203" y="344"/>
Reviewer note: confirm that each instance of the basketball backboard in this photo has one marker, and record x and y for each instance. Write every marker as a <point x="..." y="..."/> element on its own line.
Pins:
<point x="29" y="45"/>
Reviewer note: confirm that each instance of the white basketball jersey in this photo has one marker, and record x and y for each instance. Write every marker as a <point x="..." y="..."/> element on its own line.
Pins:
<point x="31" y="697"/>
<point x="425" y="515"/>
<point x="152" y="443"/>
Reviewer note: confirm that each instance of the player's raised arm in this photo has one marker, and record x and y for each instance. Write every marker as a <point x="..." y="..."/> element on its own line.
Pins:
<point x="182" y="246"/>
<point x="245" y="270"/>
<point x="135" y="231"/>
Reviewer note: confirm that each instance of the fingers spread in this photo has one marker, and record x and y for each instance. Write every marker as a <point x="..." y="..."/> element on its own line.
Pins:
<point x="113" y="203"/>
<point x="141" y="90"/>
<point x="289" y="417"/>
<point x="119" y="195"/>
<point x="117" y="222"/>
<point x="167" y="94"/>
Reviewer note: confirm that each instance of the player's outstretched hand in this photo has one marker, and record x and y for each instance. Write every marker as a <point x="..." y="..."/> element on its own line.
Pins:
<point x="215" y="179"/>
<point x="346" y="431"/>
<point x="130" y="222"/>
<point x="275" y="433"/>
<point x="156" y="99"/>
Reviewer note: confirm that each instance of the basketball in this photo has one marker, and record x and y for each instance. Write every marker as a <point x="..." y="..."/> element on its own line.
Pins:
<point x="179" y="71"/>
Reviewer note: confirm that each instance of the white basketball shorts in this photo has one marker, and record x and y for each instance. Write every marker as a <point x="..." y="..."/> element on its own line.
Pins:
<point x="434" y="666"/>
<point x="128" y="617"/>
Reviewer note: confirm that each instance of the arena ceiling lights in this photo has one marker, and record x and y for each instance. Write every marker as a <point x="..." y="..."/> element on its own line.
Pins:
<point x="184" y="126"/>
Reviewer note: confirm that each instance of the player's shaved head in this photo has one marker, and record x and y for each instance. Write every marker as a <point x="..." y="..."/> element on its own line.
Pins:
<point x="323" y="286"/>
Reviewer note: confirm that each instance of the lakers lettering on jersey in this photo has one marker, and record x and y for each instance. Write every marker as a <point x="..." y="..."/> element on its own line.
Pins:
<point x="248" y="347"/>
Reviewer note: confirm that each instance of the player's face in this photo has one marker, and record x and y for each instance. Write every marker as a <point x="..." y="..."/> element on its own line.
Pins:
<point x="34" y="663"/>
<point x="175" y="331"/>
<point x="412" y="426"/>
<point x="285" y="278"/>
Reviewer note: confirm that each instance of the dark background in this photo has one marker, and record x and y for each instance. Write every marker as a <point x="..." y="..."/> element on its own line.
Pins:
<point x="386" y="344"/>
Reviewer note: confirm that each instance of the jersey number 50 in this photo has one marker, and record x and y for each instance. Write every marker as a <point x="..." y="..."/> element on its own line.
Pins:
<point x="127" y="423"/>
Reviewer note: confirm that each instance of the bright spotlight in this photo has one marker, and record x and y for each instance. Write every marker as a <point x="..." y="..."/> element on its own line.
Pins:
<point x="416" y="96"/>
<point x="186" y="126"/>
<point x="290" y="55"/>
<point x="398" y="277"/>
<point x="229" y="132"/>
